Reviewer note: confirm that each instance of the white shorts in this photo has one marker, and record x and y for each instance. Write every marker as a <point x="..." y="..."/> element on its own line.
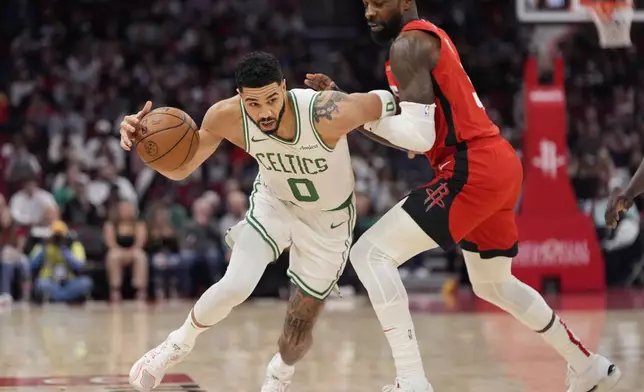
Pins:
<point x="319" y="241"/>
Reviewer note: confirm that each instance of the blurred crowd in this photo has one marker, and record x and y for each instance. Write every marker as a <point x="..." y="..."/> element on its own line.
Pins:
<point x="604" y="89"/>
<point x="81" y="218"/>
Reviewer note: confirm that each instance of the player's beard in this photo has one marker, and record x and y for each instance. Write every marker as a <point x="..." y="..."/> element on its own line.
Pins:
<point x="389" y="32"/>
<point x="277" y="121"/>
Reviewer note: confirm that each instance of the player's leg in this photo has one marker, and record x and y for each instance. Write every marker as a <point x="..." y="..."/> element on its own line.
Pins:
<point x="259" y="241"/>
<point x="295" y="341"/>
<point x="247" y="264"/>
<point x="318" y="255"/>
<point x="375" y="257"/>
<point x="438" y="214"/>
<point x="488" y="252"/>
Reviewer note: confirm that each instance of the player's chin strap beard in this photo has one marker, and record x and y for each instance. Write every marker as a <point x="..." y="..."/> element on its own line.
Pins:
<point x="390" y="31"/>
<point x="277" y="122"/>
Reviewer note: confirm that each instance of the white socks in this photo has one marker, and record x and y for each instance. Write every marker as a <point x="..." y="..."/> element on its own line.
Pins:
<point x="188" y="332"/>
<point x="277" y="368"/>
<point x="567" y="345"/>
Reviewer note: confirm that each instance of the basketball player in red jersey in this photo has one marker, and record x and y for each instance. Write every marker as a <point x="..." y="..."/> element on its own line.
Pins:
<point x="470" y="201"/>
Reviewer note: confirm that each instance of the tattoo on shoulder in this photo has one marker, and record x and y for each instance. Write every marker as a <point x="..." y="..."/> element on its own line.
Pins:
<point x="326" y="104"/>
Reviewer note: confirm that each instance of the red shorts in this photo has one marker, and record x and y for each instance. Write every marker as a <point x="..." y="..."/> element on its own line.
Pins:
<point x="471" y="201"/>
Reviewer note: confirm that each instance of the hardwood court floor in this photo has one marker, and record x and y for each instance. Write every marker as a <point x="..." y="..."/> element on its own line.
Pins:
<point x="466" y="347"/>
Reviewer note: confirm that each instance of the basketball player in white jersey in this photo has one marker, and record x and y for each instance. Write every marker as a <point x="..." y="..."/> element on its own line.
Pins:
<point x="302" y="199"/>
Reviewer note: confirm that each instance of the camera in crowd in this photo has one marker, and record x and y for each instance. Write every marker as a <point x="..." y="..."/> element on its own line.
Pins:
<point x="60" y="234"/>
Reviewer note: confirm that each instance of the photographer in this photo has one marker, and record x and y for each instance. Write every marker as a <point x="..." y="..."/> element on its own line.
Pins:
<point x="59" y="263"/>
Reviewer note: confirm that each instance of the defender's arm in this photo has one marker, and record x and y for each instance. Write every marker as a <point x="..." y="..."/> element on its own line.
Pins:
<point x="413" y="56"/>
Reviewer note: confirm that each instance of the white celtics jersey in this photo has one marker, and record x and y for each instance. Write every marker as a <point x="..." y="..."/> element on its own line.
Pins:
<point x="303" y="171"/>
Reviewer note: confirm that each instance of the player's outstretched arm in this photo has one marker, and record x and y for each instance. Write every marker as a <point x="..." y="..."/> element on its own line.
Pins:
<point x="208" y="140"/>
<point x="413" y="55"/>
<point x="336" y="113"/>
<point x="321" y="82"/>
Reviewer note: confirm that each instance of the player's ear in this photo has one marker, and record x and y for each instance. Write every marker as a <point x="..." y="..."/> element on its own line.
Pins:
<point x="407" y="4"/>
<point x="284" y="85"/>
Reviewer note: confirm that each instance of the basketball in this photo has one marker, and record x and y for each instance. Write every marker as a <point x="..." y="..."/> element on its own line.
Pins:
<point x="168" y="139"/>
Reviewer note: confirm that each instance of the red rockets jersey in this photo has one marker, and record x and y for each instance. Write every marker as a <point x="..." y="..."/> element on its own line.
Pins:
<point x="460" y="115"/>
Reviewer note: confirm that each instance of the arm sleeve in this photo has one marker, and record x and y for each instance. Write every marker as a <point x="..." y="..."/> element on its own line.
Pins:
<point x="413" y="129"/>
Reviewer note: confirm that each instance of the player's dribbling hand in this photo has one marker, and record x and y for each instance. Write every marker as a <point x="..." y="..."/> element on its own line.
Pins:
<point x="319" y="82"/>
<point x="131" y="125"/>
<point x="617" y="202"/>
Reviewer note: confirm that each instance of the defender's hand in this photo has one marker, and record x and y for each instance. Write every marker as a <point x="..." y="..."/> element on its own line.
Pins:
<point x="319" y="82"/>
<point x="131" y="125"/>
<point x="618" y="202"/>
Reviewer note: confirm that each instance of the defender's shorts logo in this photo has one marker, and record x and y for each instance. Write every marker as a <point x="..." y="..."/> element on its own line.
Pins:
<point x="435" y="196"/>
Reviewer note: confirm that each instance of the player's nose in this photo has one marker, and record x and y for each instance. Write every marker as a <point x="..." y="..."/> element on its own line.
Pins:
<point x="369" y="14"/>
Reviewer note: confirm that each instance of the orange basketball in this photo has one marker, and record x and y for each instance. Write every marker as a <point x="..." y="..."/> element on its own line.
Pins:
<point x="168" y="139"/>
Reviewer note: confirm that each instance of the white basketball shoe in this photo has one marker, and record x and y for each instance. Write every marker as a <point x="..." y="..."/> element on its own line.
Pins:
<point x="147" y="373"/>
<point x="405" y="385"/>
<point x="602" y="376"/>
<point x="277" y="380"/>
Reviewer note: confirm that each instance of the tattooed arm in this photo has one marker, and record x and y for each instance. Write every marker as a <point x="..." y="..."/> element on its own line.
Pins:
<point x="413" y="56"/>
<point x="336" y="113"/>
<point x="361" y="129"/>
<point x="297" y="335"/>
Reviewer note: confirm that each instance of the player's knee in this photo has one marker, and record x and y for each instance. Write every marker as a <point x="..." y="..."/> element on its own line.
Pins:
<point x="490" y="292"/>
<point x="511" y="295"/>
<point x="363" y="255"/>
<point x="359" y="253"/>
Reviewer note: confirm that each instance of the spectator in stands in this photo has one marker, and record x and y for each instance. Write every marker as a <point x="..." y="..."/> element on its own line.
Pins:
<point x="12" y="258"/>
<point x="99" y="189"/>
<point x="66" y="145"/>
<point x="21" y="163"/>
<point x="104" y="148"/>
<point x="39" y="233"/>
<point x="59" y="264"/>
<point x="28" y="205"/>
<point x="64" y="183"/>
<point x="125" y="237"/>
<point x="200" y="245"/>
<point x="236" y="207"/>
<point x="78" y="211"/>
<point x="163" y="248"/>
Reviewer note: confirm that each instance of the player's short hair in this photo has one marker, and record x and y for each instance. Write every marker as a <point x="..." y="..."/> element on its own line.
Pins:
<point x="258" y="69"/>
